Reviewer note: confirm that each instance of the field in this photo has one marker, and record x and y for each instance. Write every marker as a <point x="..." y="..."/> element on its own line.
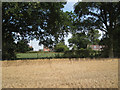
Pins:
<point x="38" y="55"/>
<point x="60" y="73"/>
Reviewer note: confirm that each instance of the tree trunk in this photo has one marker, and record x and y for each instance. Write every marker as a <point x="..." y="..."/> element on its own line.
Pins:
<point x="111" y="53"/>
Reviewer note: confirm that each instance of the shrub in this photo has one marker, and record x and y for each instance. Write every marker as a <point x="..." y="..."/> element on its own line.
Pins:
<point x="82" y="53"/>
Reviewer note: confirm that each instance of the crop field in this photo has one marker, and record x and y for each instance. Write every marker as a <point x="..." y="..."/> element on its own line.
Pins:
<point x="60" y="73"/>
<point x="38" y="55"/>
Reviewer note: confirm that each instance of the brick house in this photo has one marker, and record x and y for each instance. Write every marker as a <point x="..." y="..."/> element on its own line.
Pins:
<point x="46" y="49"/>
<point x="95" y="47"/>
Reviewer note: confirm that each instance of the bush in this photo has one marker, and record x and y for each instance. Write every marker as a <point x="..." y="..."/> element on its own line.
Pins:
<point x="61" y="47"/>
<point x="82" y="53"/>
<point x="69" y="54"/>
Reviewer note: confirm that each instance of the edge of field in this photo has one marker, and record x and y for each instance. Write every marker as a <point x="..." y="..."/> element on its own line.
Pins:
<point x="31" y="61"/>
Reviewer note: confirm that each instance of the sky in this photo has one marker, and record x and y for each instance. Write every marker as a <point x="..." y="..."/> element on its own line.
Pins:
<point x="68" y="7"/>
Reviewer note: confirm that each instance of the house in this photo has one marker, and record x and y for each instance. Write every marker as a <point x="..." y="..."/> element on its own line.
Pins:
<point x="95" y="47"/>
<point x="46" y="49"/>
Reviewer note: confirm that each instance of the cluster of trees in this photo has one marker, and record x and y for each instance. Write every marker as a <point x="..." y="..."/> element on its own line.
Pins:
<point x="81" y="40"/>
<point x="78" y="44"/>
<point x="22" y="46"/>
<point x="47" y="22"/>
<point x="11" y="49"/>
<point x="43" y="21"/>
<point x="102" y="16"/>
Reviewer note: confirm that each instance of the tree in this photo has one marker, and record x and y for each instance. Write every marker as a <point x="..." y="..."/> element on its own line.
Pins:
<point x="116" y="42"/>
<point x="30" y="48"/>
<point x="43" y="21"/>
<point x="22" y="46"/>
<point x="79" y="39"/>
<point x="102" y="16"/>
<point x="73" y="22"/>
<point x="93" y="36"/>
<point x="8" y="47"/>
<point x="61" y="47"/>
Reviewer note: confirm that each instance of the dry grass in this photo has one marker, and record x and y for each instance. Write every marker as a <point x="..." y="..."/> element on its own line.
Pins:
<point x="60" y="74"/>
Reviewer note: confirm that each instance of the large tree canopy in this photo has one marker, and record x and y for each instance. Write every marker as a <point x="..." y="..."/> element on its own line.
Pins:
<point x="102" y="16"/>
<point x="47" y="22"/>
<point x="43" y="20"/>
<point x="34" y="20"/>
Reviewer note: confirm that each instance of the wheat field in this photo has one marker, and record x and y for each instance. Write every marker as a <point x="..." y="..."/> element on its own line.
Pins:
<point x="60" y="73"/>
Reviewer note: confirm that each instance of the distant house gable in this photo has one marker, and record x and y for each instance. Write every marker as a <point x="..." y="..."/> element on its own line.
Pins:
<point x="96" y="47"/>
<point x="46" y="49"/>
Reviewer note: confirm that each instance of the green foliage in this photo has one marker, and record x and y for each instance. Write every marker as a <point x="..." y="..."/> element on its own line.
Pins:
<point x="61" y="47"/>
<point x="81" y="36"/>
<point x="93" y="36"/>
<point x="80" y="40"/>
<point x="22" y="46"/>
<point x="116" y="44"/>
<point x="35" y="20"/>
<point x="38" y="55"/>
<point x="42" y="21"/>
<point x="49" y="24"/>
<point x="82" y="53"/>
<point x="8" y="49"/>
<point x="102" y="16"/>
<point x="73" y="22"/>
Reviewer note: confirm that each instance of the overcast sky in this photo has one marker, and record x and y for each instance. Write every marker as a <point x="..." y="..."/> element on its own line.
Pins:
<point x="68" y="7"/>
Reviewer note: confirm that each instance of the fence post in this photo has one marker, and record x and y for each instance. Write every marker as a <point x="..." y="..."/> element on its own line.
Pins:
<point x="37" y="55"/>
